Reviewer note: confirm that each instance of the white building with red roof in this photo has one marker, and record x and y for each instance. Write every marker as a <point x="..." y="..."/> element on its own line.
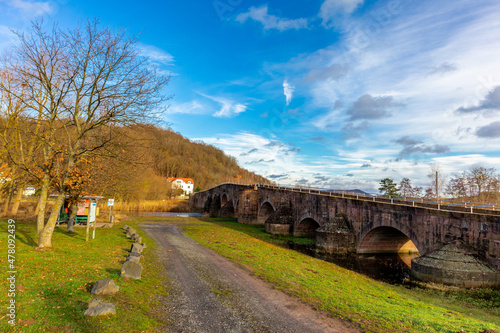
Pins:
<point x="186" y="184"/>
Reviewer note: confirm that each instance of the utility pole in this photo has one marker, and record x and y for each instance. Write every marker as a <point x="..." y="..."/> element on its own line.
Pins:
<point x="437" y="186"/>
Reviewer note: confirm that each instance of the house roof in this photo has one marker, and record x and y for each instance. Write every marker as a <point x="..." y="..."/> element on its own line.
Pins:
<point x="185" y="180"/>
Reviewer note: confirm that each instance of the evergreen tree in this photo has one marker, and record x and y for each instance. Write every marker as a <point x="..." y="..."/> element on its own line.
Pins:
<point x="388" y="187"/>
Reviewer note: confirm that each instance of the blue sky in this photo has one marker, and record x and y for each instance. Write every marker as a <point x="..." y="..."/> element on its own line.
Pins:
<point x="326" y="93"/>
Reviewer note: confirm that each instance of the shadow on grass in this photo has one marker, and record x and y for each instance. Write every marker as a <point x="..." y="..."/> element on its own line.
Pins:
<point x="74" y="235"/>
<point x="27" y="238"/>
<point x="22" y="232"/>
<point x="114" y="272"/>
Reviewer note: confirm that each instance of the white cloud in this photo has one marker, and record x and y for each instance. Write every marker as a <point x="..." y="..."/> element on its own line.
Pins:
<point x="271" y="158"/>
<point x="260" y="14"/>
<point x="332" y="10"/>
<point x="288" y="91"/>
<point x="229" y="107"/>
<point x="193" y="107"/>
<point x="156" y="54"/>
<point x="7" y="37"/>
<point x="30" y="8"/>
<point x="397" y="62"/>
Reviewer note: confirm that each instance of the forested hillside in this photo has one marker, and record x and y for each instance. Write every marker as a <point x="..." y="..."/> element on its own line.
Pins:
<point x="137" y="163"/>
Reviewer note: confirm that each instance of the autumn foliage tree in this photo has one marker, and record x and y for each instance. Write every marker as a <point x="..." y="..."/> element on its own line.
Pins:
<point x="77" y="84"/>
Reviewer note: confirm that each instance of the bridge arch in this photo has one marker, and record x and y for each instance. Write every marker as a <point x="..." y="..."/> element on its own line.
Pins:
<point x="386" y="240"/>
<point x="265" y="210"/>
<point x="223" y="200"/>
<point x="306" y="228"/>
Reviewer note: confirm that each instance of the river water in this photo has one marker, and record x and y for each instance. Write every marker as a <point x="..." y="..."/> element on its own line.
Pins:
<point x="162" y="214"/>
<point x="394" y="268"/>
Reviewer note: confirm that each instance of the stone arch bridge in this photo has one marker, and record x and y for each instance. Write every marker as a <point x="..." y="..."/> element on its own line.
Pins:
<point x="350" y="223"/>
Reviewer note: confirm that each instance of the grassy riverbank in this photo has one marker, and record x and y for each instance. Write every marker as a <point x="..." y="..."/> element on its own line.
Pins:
<point x="53" y="286"/>
<point x="374" y="306"/>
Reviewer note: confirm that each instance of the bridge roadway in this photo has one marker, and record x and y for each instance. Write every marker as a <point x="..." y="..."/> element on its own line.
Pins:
<point x="343" y="222"/>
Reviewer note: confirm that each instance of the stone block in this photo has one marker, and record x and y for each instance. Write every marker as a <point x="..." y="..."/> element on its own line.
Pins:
<point x="278" y="229"/>
<point x="130" y="232"/>
<point x="133" y="258"/>
<point x="131" y="269"/>
<point x="98" y="308"/>
<point x="136" y="248"/>
<point x="104" y="287"/>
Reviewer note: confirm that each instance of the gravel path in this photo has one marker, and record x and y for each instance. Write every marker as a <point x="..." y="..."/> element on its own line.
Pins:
<point x="208" y="293"/>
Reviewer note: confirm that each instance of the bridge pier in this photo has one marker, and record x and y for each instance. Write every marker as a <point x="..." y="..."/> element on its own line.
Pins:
<point x="280" y="222"/>
<point x="227" y="210"/>
<point x="456" y="264"/>
<point x="248" y="212"/>
<point x="336" y="236"/>
<point x="278" y="229"/>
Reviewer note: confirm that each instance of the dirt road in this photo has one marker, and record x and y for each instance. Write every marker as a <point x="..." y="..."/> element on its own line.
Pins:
<point x="208" y="293"/>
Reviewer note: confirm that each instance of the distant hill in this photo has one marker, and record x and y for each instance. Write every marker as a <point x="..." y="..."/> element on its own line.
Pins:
<point x="145" y="155"/>
<point x="353" y="192"/>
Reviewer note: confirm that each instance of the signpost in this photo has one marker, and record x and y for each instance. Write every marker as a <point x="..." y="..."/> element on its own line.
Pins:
<point x="91" y="219"/>
<point x="111" y="203"/>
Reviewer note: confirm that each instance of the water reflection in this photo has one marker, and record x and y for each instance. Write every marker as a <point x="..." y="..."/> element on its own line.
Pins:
<point x="162" y="214"/>
<point x="393" y="268"/>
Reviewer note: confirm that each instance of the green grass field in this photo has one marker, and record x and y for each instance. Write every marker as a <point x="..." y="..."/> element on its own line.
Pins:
<point x="53" y="285"/>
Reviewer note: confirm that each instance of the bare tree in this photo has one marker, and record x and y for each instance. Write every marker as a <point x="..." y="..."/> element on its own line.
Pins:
<point x="429" y="193"/>
<point x="405" y="188"/>
<point x="483" y="181"/>
<point x="91" y="79"/>
<point x="477" y="184"/>
<point x="457" y="187"/>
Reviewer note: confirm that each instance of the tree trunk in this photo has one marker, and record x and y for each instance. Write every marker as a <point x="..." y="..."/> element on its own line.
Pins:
<point x="72" y="217"/>
<point x="45" y="238"/>
<point x="17" y="201"/>
<point x="7" y="201"/>
<point x="37" y="208"/>
<point x="42" y="204"/>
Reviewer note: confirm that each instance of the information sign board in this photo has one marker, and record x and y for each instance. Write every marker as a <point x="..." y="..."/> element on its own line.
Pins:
<point x="93" y="209"/>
